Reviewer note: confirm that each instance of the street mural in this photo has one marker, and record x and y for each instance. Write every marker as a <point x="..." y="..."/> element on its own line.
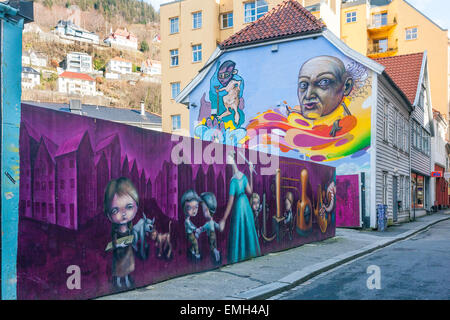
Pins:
<point x="316" y="106"/>
<point x="347" y="204"/>
<point x="96" y="197"/>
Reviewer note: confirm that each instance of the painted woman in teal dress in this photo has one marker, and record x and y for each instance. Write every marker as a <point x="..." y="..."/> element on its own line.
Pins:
<point x="243" y="240"/>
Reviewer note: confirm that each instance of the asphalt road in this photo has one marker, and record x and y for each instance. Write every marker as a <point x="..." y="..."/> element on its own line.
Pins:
<point x="415" y="268"/>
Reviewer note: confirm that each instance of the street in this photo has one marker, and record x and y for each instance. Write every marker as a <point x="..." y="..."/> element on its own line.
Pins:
<point x="416" y="268"/>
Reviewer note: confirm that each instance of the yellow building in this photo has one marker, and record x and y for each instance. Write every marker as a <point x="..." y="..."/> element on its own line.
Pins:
<point x="192" y="29"/>
<point x="380" y="28"/>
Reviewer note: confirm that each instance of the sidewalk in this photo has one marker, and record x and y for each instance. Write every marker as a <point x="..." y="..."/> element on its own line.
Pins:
<point x="268" y="275"/>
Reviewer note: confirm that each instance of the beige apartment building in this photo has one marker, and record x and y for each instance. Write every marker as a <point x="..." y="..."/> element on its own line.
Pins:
<point x="192" y="29"/>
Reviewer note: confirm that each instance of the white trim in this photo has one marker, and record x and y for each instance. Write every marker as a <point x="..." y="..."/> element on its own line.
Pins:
<point x="373" y="155"/>
<point x="419" y="84"/>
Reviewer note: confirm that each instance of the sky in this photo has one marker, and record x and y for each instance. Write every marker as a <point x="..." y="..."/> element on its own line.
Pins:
<point x="436" y="10"/>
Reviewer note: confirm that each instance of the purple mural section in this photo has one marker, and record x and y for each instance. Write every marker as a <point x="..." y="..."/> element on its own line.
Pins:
<point x="347" y="205"/>
<point x="108" y="199"/>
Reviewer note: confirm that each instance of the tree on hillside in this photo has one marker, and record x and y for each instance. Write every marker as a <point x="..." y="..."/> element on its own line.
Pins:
<point x="144" y="46"/>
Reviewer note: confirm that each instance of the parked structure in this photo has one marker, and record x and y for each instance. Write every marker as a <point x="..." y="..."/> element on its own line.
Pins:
<point x="79" y="62"/>
<point x="376" y="28"/>
<point x="30" y="78"/>
<point x="74" y="83"/>
<point x="69" y="30"/>
<point x="122" y="38"/>
<point x="35" y="59"/>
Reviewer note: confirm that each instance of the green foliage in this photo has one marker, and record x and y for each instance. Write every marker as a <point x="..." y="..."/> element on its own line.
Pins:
<point x="135" y="68"/>
<point x="133" y="11"/>
<point x="144" y="46"/>
<point x="99" y="64"/>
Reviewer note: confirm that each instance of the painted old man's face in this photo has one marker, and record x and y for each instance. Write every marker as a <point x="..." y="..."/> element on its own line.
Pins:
<point x="322" y="84"/>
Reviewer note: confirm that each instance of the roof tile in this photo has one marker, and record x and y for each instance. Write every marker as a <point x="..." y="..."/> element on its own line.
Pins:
<point x="404" y="70"/>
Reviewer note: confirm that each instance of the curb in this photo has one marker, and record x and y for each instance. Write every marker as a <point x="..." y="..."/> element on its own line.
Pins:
<point x="298" y="277"/>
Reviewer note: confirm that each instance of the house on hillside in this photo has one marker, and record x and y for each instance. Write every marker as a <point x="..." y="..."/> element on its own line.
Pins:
<point x="151" y="67"/>
<point x="122" y="38"/>
<point x="74" y="83"/>
<point x="312" y="97"/>
<point x="30" y="78"/>
<point x="67" y="29"/>
<point x="32" y="58"/>
<point x="77" y="62"/>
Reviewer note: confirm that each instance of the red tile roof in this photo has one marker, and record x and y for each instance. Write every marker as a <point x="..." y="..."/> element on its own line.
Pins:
<point x="76" y="75"/>
<point x="288" y="19"/>
<point x="404" y="70"/>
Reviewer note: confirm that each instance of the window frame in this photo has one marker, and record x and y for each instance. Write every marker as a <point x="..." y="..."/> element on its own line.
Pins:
<point x="172" y="56"/>
<point x="171" y="20"/>
<point x="172" y="85"/>
<point x="176" y="117"/>
<point x="386" y="120"/>
<point x="351" y="16"/>
<point x="385" y="187"/>
<point x="411" y="33"/>
<point x="227" y="14"/>
<point x="254" y="10"/>
<point x="196" y="52"/>
<point x="197" y="23"/>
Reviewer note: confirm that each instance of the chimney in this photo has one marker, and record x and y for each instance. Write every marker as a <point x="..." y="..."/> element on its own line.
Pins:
<point x="75" y="106"/>
<point x="142" y="108"/>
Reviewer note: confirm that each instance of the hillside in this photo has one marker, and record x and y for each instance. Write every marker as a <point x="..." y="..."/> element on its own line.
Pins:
<point x="95" y="18"/>
<point x="132" y="11"/>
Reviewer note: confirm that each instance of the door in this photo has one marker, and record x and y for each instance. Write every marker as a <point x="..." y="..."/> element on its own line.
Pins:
<point x="395" y="198"/>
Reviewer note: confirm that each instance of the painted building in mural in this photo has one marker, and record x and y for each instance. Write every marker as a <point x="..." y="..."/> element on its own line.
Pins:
<point x="132" y="207"/>
<point x="304" y="94"/>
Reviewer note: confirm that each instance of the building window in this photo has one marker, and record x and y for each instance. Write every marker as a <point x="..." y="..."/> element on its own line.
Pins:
<point x="350" y="16"/>
<point x="386" y="121"/>
<point x="174" y="57"/>
<point x="385" y="187"/>
<point x="254" y="10"/>
<point x="379" y="19"/>
<point x="197" y="20"/>
<point x="176" y="122"/>
<point x="380" y="45"/>
<point x="174" y="25"/>
<point x="411" y="33"/>
<point x="227" y="20"/>
<point x="175" y="89"/>
<point x="197" y="53"/>
<point x="394" y="129"/>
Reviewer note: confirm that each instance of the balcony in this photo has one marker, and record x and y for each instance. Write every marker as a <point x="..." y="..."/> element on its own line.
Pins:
<point x="381" y="49"/>
<point x="381" y="23"/>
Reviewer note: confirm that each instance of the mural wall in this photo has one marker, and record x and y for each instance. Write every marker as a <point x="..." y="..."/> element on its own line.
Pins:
<point x="97" y="197"/>
<point x="347" y="201"/>
<point x="305" y="99"/>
